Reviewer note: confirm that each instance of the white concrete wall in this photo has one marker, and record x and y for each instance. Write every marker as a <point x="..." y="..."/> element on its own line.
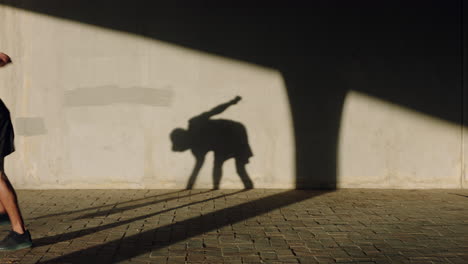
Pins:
<point x="93" y="108"/>
<point x="383" y="145"/>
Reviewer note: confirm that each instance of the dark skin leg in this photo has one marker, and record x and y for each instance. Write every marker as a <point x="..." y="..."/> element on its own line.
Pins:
<point x="9" y="202"/>
<point x="242" y="172"/>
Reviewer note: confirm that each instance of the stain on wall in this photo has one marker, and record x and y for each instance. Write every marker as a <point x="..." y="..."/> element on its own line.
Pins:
<point x="108" y="95"/>
<point x="29" y="126"/>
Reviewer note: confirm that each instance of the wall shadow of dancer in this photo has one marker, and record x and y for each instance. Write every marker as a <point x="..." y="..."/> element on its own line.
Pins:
<point x="226" y="138"/>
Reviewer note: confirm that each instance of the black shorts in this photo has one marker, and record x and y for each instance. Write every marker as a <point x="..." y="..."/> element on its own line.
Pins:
<point x="7" y="134"/>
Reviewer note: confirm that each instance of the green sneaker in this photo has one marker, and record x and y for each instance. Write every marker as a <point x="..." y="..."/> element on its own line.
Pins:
<point x="4" y="220"/>
<point x="15" y="241"/>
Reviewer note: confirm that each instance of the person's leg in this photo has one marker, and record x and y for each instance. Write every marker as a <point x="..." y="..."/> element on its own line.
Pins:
<point x="4" y="219"/>
<point x="9" y="201"/>
<point x="2" y="209"/>
<point x="19" y="237"/>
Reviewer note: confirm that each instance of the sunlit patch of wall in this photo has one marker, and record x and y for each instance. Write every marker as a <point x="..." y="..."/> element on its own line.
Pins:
<point x="464" y="75"/>
<point x="383" y="145"/>
<point x="464" y="179"/>
<point x="104" y="102"/>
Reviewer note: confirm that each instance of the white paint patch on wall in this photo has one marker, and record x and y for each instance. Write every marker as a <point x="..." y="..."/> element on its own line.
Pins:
<point x="383" y="145"/>
<point x="105" y="103"/>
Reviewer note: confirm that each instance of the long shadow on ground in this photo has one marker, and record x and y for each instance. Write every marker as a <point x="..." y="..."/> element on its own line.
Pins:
<point x="147" y="242"/>
<point x="116" y="209"/>
<point x="104" y="206"/>
<point x="83" y="232"/>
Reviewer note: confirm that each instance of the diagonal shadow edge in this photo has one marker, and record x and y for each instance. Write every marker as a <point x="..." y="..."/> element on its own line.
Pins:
<point x="104" y="206"/>
<point x="55" y="8"/>
<point x="324" y="154"/>
<point x="205" y="223"/>
<point x="83" y="232"/>
<point x="198" y="35"/>
<point x="116" y="209"/>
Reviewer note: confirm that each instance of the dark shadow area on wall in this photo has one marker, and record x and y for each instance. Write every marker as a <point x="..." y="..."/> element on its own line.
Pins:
<point x="226" y="138"/>
<point x="408" y="53"/>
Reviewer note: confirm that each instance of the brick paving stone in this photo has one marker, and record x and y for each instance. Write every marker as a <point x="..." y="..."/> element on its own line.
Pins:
<point x="239" y="227"/>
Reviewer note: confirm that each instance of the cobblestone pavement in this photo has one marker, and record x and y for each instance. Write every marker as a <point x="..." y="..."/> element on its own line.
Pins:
<point x="235" y="226"/>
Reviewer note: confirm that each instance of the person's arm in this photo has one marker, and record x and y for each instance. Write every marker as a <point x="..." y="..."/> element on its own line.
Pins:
<point x="4" y="59"/>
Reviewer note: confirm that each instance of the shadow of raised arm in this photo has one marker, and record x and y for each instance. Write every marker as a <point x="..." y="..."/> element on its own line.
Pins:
<point x="220" y="108"/>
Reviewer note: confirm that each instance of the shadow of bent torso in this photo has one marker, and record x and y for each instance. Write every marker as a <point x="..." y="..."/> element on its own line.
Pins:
<point x="226" y="138"/>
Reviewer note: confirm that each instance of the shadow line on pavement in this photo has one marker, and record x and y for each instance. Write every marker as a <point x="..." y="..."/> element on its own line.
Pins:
<point x="83" y="232"/>
<point x="143" y="242"/>
<point x="101" y="206"/>
<point x="466" y="196"/>
<point x="130" y="207"/>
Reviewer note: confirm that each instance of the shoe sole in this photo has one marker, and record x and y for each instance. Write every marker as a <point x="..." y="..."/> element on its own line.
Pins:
<point x="18" y="247"/>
